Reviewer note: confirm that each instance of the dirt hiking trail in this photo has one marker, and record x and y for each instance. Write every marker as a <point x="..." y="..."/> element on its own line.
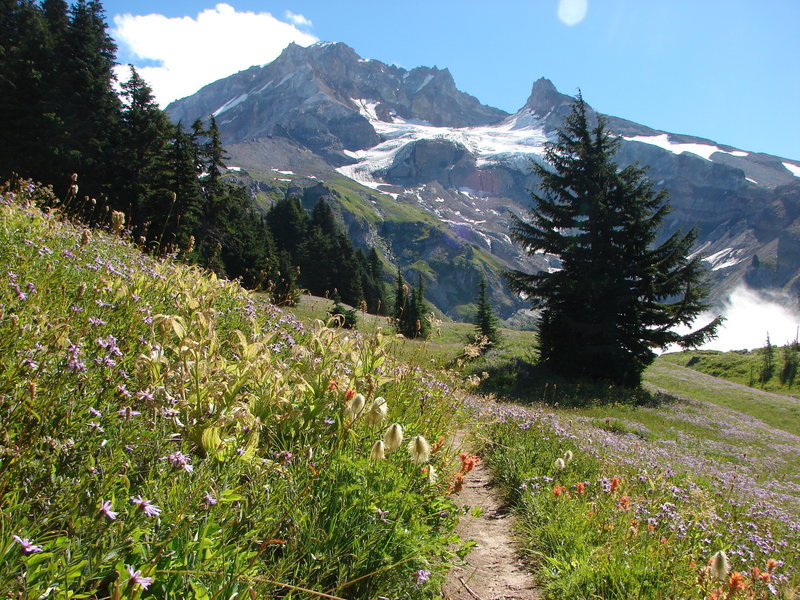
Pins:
<point x="492" y="571"/>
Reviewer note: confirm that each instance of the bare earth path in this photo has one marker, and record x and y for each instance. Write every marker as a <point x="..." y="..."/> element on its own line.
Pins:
<point x="492" y="571"/>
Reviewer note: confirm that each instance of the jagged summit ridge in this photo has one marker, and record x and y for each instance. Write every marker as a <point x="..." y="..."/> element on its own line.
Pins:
<point x="311" y="94"/>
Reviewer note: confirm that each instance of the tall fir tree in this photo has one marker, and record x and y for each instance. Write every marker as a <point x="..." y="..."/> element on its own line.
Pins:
<point x="618" y="294"/>
<point x="485" y="319"/>
<point x="90" y="107"/>
<point x="142" y="188"/>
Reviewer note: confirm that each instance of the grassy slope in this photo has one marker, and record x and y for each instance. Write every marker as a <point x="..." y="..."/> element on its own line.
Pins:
<point x="211" y="426"/>
<point x="741" y="367"/>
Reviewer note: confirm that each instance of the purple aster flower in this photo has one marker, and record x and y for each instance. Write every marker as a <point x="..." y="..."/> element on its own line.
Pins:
<point x="105" y="508"/>
<point x="179" y="460"/>
<point x="209" y="500"/>
<point x="28" y="547"/>
<point x="95" y="412"/>
<point x="151" y="510"/>
<point x="110" y="345"/>
<point x="137" y="578"/>
<point x="97" y="426"/>
<point x="422" y="576"/>
<point x="284" y="456"/>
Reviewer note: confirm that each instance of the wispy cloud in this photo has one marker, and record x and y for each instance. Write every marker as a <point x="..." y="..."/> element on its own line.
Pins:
<point x="178" y="56"/>
<point x="749" y="317"/>
<point x="572" y="12"/>
<point x="297" y="20"/>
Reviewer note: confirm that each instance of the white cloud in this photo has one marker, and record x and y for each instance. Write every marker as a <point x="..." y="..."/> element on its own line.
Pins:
<point x="749" y="317"/>
<point x="572" y="12"/>
<point x="297" y="20"/>
<point x="192" y="52"/>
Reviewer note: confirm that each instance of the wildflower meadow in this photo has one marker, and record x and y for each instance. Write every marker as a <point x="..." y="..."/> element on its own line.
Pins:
<point x="166" y="434"/>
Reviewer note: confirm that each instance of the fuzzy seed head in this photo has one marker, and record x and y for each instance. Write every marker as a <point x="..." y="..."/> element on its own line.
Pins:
<point x="117" y="221"/>
<point x="85" y="237"/>
<point x="378" y="411"/>
<point x="719" y="565"/>
<point x="568" y="456"/>
<point x="560" y="464"/>
<point x="419" y="449"/>
<point x="378" y="451"/>
<point x="393" y="437"/>
<point x="353" y="409"/>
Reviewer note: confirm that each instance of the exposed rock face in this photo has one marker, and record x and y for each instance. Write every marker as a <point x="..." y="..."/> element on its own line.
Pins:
<point x="430" y="160"/>
<point x="307" y="95"/>
<point x="421" y="148"/>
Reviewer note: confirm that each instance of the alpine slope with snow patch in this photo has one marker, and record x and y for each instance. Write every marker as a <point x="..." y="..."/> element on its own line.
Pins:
<point x="416" y="149"/>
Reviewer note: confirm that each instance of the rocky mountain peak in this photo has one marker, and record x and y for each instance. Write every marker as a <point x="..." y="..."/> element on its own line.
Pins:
<point x="545" y="98"/>
<point x="319" y="52"/>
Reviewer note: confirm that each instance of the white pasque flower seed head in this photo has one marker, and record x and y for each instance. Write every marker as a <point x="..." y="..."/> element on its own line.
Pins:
<point x="393" y="437"/>
<point x="378" y="412"/>
<point x="419" y="449"/>
<point x="378" y="451"/>
<point x="719" y="565"/>
<point x="354" y="408"/>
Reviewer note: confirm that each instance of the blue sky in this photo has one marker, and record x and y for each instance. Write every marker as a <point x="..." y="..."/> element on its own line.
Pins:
<point x="727" y="70"/>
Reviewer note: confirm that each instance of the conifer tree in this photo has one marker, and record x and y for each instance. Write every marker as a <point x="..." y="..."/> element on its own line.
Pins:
<point x="485" y="319"/>
<point x="410" y="310"/>
<point x="400" y="299"/>
<point x="374" y="288"/>
<point x="617" y="295"/>
<point x="90" y="106"/>
<point x="142" y="182"/>
<point x="767" y="362"/>
<point x="288" y="223"/>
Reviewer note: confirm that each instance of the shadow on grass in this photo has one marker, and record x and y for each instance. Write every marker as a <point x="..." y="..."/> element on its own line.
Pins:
<point x="522" y="380"/>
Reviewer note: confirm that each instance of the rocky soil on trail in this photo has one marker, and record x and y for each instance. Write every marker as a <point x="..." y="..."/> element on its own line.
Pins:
<point x="492" y="571"/>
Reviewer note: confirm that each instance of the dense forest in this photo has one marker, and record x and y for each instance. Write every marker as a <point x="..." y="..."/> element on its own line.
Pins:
<point x="107" y="148"/>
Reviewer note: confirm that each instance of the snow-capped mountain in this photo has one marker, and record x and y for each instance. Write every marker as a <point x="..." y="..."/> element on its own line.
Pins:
<point x="433" y="175"/>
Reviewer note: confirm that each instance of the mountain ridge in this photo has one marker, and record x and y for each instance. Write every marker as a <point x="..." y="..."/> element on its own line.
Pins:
<point x="412" y="138"/>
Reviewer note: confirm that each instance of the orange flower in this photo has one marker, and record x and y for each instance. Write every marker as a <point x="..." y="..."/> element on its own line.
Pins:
<point x="624" y="503"/>
<point x="559" y="489"/>
<point x="771" y="564"/>
<point x="332" y="385"/>
<point x="458" y="483"/>
<point x="349" y="394"/>
<point x="736" y="582"/>
<point x="614" y="483"/>
<point x="580" y="487"/>
<point x="468" y="461"/>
